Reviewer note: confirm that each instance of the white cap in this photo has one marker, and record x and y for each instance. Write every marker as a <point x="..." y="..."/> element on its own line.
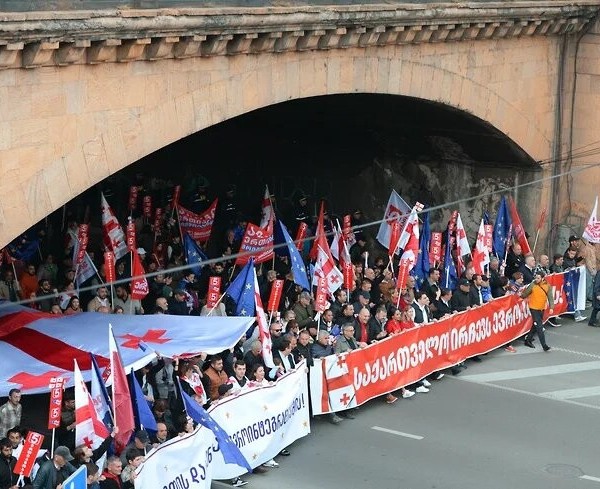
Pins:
<point x="141" y="251"/>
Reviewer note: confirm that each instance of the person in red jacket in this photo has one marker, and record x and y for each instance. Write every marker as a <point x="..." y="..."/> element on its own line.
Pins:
<point x="112" y="474"/>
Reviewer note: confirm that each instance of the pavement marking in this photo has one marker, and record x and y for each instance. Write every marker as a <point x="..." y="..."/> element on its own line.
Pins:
<point x="526" y="373"/>
<point x="399" y="433"/>
<point x="589" y="478"/>
<point x="573" y="393"/>
<point x="529" y="393"/>
<point x="582" y="353"/>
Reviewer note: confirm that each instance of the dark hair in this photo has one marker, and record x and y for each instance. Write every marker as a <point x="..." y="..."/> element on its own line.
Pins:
<point x="239" y="363"/>
<point x="556" y="256"/>
<point x="92" y="468"/>
<point x="255" y="367"/>
<point x="133" y="453"/>
<point x="432" y="270"/>
<point x="420" y="294"/>
<point x="291" y="324"/>
<point x="13" y="391"/>
<point x="284" y="344"/>
<point x="5" y="443"/>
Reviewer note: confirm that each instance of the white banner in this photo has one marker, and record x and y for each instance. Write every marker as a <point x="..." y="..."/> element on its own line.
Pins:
<point x="262" y="421"/>
<point x="183" y="462"/>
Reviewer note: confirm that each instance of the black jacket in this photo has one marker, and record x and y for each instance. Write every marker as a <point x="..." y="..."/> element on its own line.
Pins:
<point x="460" y="300"/>
<point x="419" y="319"/>
<point x="441" y="309"/>
<point x="7" y="478"/>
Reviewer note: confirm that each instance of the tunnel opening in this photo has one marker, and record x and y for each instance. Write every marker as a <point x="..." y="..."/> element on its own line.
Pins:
<point x="349" y="150"/>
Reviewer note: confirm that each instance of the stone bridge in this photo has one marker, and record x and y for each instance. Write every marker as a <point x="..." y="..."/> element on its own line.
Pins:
<point x="85" y="93"/>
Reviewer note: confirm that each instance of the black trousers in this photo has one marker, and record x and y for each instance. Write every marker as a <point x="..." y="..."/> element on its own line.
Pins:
<point x="538" y="326"/>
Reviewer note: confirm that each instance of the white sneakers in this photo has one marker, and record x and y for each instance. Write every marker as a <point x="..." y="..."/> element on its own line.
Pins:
<point x="426" y="383"/>
<point x="407" y="394"/>
<point x="271" y="464"/>
<point x="422" y="389"/>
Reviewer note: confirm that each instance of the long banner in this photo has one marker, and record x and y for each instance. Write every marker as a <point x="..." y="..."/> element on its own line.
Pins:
<point x="184" y="461"/>
<point x="339" y="382"/>
<point x="262" y="421"/>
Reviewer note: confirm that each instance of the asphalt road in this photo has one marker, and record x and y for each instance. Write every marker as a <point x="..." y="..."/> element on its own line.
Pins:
<point x="517" y="420"/>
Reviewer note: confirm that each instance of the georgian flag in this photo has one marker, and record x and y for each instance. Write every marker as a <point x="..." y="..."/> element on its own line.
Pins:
<point x="481" y="253"/>
<point x="325" y="267"/>
<point x="112" y="232"/>
<point x="592" y="230"/>
<point x="334" y="386"/>
<point x="267" y="209"/>
<point x="89" y="428"/>
<point x="410" y="245"/>
<point x="462" y="243"/>
<point x="264" y="335"/>
<point x="396" y="210"/>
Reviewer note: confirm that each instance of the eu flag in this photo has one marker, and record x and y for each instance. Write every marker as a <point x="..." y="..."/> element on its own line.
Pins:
<point x="449" y="277"/>
<point x="297" y="264"/>
<point x="141" y="409"/>
<point x="241" y="290"/>
<point x="421" y="269"/>
<point x="571" y="287"/>
<point x="231" y="453"/>
<point x="501" y="227"/>
<point x="193" y="254"/>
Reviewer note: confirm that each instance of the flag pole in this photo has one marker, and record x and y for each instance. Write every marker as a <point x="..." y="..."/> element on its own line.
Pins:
<point x="52" y="444"/>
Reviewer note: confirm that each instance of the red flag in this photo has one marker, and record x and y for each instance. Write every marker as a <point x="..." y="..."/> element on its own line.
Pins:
<point x="176" y="194"/>
<point x="29" y="453"/>
<point x="131" y="241"/>
<point x="139" y="283"/>
<point x="518" y="229"/>
<point x="121" y="397"/>
<point x="321" y="296"/>
<point x="489" y="231"/>
<point x="83" y="238"/>
<point x="109" y="266"/>
<point x="541" y="220"/>
<point x="319" y="233"/>
<point x="347" y="232"/>
<point x="147" y="206"/>
<point x="394" y="237"/>
<point x="325" y="266"/>
<point x="198" y="226"/>
<point x="300" y="235"/>
<point x="55" y="408"/>
<point x="214" y="292"/>
<point x="133" y="195"/>
<point x="113" y="235"/>
<point x="435" y="248"/>
<point x="275" y="296"/>
<point x="257" y="243"/>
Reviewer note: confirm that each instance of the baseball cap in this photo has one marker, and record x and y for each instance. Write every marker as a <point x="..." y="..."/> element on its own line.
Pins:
<point x="574" y="237"/>
<point x="64" y="452"/>
<point x="464" y="281"/>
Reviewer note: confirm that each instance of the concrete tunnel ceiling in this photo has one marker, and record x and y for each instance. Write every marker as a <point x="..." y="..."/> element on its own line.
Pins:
<point x="338" y="133"/>
<point x="334" y="136"/>
<point x="322" y="146"/>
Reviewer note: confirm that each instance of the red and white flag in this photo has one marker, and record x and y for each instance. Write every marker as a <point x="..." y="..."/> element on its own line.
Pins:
<point x="112" y="232"/>
<point x="319" y="234"/>
<point x="394" y="237"/>
<point x="592" y="230"/>
<point x="56" y="386"/>
<point x="121" y="397"/>
<point x="462" y="243"/>
<point x="409" y="242"/>
<point x="481" y="253"/>
<point x="268" y="212"/>
<point x="275" y="295"/>
<point x="349" y="236"/>
<point x="337" y="243"/>
<point x="321" y="295"/>
<point x="89" y="429"/>
<point x="139" y="282"/>
<point x="264" y="335"/>
<point x="396" y="210"/>
<point x="198" y="226"/>
<point x="325" y="267"/>
<point x="338" y="393"/>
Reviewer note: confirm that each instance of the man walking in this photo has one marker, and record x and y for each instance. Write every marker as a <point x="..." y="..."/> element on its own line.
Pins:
<point x="539" y="293"/>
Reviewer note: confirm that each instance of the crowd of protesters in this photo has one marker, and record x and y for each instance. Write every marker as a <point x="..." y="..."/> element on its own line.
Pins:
<point x="368" y="312"/>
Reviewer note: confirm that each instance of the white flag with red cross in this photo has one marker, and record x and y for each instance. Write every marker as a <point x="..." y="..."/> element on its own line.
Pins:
<point x="264" y="335"/>
<point x="89" y="429"/>
<point x="112" y="232"/>
<point x="331" y="385"/>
